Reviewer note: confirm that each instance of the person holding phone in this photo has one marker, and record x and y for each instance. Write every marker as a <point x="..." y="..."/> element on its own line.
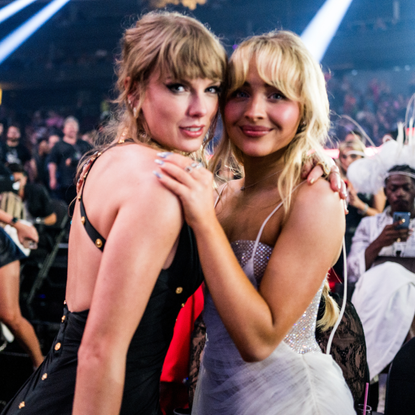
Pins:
<point x="387" y="233"/>
<point x="382" y="260"/>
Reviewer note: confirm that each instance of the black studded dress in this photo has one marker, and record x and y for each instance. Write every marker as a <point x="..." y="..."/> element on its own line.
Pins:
<point x="50" y="390"/>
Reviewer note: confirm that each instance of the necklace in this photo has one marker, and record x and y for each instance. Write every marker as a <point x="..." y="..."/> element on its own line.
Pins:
<point x="261" y="180"/>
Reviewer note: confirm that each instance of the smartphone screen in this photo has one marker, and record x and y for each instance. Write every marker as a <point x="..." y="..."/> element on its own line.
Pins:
<point x="402" y="217"/>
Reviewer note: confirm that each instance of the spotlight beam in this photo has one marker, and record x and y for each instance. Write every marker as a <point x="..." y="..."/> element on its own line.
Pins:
<point x="321" y="30"/>
<point x="13" y="8"/>
<point x="15" y="39"/>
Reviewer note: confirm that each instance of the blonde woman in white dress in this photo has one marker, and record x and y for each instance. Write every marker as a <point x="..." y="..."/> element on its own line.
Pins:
<point x="264" y="288"/>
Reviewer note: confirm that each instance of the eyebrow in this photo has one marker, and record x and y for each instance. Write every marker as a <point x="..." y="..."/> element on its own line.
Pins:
<point x="246" y="83"/>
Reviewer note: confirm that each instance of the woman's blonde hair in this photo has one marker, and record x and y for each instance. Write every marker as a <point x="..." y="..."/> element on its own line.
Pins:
<point x="169" y="44"/>
<point x="283" y="61"/>
<point x="346" y="146"/>
<point x="164" y="43"/>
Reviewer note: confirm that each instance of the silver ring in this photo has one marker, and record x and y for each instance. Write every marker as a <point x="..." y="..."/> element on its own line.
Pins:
<point x="199" y="165"/>
<point x="188" y="169"/>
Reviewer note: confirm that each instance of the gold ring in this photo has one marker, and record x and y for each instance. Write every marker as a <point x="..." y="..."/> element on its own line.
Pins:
<point x="325" y="167"/>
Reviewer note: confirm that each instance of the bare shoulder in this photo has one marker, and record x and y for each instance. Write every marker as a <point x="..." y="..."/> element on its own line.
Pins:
<point x="133" y="166"/>
<point x="124" y="176"/>
<point x="318" y="196"/>
<point x="316" y="207"/>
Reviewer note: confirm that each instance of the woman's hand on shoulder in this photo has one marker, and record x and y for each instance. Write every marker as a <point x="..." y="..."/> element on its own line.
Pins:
<point x="314" y="168"/>
<point x="191" y="183"/>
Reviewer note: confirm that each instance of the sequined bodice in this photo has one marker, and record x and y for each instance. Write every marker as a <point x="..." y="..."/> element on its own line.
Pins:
<point x="301" y="337"/>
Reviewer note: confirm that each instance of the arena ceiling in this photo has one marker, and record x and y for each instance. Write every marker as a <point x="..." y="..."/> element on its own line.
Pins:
<point x="373" y="34"/>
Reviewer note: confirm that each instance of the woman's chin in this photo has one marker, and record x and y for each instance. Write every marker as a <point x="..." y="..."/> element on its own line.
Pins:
<point x="189" y="146"/>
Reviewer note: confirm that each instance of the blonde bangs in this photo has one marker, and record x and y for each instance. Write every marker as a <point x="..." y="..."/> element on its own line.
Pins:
<point x="279" y="70"/>
<point x="274" y="65"/>
<point x="191" y="54"/>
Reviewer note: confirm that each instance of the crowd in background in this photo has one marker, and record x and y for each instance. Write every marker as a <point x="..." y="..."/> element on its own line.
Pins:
<point x="375" y="106"/>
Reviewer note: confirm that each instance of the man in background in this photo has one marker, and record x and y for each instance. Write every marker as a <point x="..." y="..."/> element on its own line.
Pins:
<point x="13" y="151"/>
<point x="64" y="159"/>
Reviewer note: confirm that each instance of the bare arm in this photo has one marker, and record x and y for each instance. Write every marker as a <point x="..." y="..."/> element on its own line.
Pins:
<point x="145" y="229"/>
<point x="23" y="231"/>
<point x="310" y="240"/>
<point x="378" y="203"/>
<point x="50" y="220"/>
<point x="52" y="175"/>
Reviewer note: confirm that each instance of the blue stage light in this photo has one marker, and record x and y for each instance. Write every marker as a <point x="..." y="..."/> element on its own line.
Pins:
<point x="13" y="8"/>
<point x="9" y="44"/>
<point x="321" y="30"/>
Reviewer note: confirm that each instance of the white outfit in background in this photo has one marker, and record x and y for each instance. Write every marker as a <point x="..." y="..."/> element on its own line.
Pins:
<point x="384" y="297"/>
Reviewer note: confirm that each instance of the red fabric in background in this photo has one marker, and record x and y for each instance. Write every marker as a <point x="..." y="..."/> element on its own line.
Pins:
<point x="176" y="363"/>
<point x="333" y="279"/>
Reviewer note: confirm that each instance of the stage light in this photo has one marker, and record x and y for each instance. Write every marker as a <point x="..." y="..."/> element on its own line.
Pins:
<point x="13" y="8"/>
<point x="9" y="44"/>
<point x="321" y="30"/>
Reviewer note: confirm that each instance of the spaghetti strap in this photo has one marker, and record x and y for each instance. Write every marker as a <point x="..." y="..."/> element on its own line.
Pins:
<point x="266" y="221"/>
<point x="220" y="194"/>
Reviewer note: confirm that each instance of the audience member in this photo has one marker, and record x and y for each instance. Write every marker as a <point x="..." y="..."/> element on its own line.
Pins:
<point x="12" y="151"/>
<point x="352" y="136"/>
<point x="36" y="200"/>
<point x="63" y="160"/>
<point x="10" y="314"/>
<point x="382" y="259"/>
<point x="359" y="204"/>
<point x="39" y="163"/>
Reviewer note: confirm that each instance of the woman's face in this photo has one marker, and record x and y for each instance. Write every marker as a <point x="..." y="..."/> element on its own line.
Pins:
<point x="346" y="159"/>
<point x="259" y="119"/>
<point x="179" y="113"/>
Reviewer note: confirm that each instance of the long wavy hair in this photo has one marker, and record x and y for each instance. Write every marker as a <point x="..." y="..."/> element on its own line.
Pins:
<point x="167" y="43"/>
<point x="283" y="61"/>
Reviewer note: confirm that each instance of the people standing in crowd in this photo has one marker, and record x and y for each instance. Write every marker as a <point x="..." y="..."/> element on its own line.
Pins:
<point x="359" y="204"/>
<point x="13" y="151"/>
<point x="40" y="161"/>
<point x="10" y="314"/>
<point x="261" y="355"/>
<point x="38" y="164"/>
<point x="63" y="160"/>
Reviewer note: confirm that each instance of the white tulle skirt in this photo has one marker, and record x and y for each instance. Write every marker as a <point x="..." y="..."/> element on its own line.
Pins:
<point x="284" y="383"/>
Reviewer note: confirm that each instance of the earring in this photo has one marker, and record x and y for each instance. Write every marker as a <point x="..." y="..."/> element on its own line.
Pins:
<point x="135" y="112"/>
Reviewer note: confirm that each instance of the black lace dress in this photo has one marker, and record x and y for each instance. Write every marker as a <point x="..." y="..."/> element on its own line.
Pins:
<point x="348" y="349"/>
